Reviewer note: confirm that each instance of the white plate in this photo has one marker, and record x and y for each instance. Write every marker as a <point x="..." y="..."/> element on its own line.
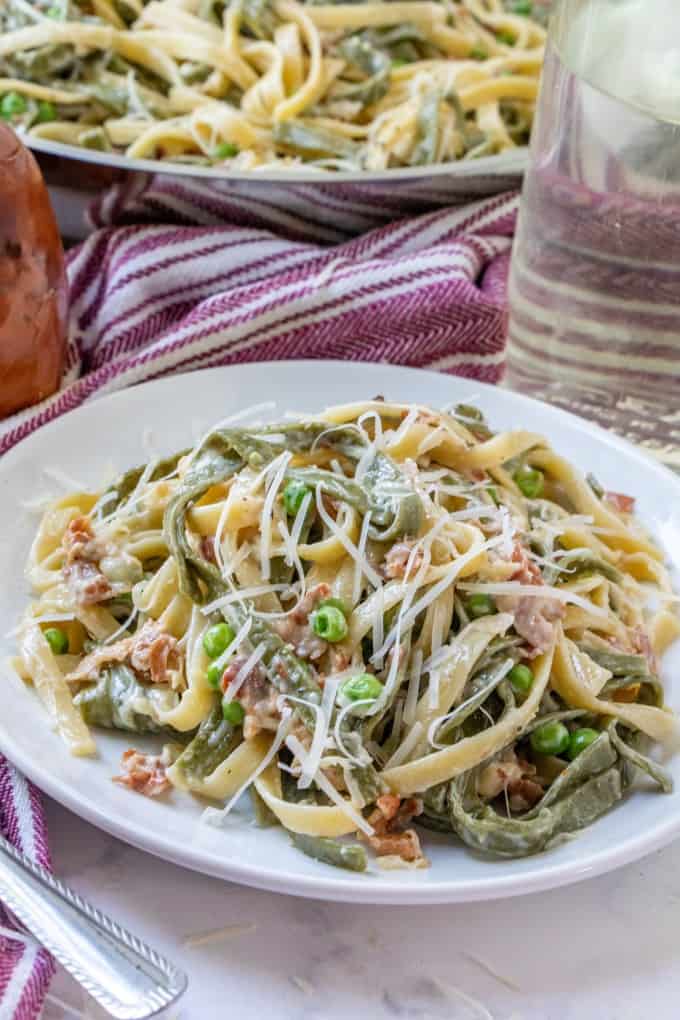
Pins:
<point x="108" y="434"/>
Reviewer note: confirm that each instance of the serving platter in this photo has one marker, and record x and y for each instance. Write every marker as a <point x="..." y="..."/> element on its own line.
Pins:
<point x="86" y="447"/>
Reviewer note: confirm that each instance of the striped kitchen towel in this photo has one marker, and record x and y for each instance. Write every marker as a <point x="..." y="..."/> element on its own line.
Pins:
<point x="25" y="968"/>
<point x="150" y="300"/>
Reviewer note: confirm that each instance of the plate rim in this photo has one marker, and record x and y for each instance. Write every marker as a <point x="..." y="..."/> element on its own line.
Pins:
<point x="498" y="165"/>
<point x="338" y="887"/>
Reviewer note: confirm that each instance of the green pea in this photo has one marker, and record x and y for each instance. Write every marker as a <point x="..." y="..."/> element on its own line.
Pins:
<point x="336" y="603"/>
<point x="11" y="105"/>
<point x="480" y="605"/>
<point x="293" y="496"/>
<point x="214" y="675"/>
<point x="529" y="481"/>
<point x="57" y="639"/>
<point x="579" y="740"/>
<point x="506" y="37"/>
<point x="46" y="112"/>
<point x="329" y="623"/>
<point x="524" y="7"/>
<point x="478" y="53"/>
<point x="225" y="150"/>
<point x="363" y="687"/>
<point x="521" y="678"/>
<point x="217" y="639"/>
<point x="550" y="738"/>
<point x="233" y="712"/>
<point x="398" y="62"/>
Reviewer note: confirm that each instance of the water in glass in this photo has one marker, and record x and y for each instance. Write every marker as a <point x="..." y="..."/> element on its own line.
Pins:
<point x="595" y="279"/>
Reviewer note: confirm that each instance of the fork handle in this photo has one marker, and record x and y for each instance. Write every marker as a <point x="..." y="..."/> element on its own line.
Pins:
<point x="130" y="980"/>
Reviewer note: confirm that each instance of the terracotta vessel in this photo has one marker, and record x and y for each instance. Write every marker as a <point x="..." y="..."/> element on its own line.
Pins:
<point x="32" y="282"/>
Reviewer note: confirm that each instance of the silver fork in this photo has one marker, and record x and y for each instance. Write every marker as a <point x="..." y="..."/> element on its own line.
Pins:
<point x="128" y="978"/>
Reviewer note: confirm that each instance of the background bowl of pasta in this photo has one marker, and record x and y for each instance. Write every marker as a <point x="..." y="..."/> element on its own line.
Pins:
<point x="431" y="99"/>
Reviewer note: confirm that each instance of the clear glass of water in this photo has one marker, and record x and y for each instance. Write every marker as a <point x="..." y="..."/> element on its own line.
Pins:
<point x="595" y="280"/>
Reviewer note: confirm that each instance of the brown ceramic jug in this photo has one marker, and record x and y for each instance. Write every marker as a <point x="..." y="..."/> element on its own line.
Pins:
<point x="32" y="282"/>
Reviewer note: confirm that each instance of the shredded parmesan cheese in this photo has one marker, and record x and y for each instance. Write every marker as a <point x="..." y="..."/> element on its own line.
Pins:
<point x="346" y="542"/>
<point x="327" y="787"/>
<point x="247" y="667"/>
<point x="122" y="629"/>
<point x="337" y="732"/>
<point x="63" y="479"/>
<point x="535" y="591"/>
<point x="361" y="558"/>
<point x="496" y="677"/>
<point x="277" y="470"/>
<point x="407" y="619"/>
<point x="241" y="594"/>
<point x="213" y="816"/>
<point x="233" y="646"/>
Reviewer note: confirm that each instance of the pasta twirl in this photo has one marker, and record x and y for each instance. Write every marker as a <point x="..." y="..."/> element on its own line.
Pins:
<point x="379" y="619"/>
<point x="249" y="84"/>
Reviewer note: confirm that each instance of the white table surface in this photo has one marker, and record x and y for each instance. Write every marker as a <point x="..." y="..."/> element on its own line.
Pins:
<point x="607" y="949"/>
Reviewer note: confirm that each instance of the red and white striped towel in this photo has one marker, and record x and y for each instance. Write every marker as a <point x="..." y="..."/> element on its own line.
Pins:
<point x="147" y="301"/>
<point x="25" y="968"/>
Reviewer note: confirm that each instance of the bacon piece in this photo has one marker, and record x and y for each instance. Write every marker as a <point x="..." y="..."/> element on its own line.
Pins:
<point x="90" y="667"/>
<point x="535" y="616"/>
<point x="620" y="502"/>
<point x="535" y="619"/>
<point x="388" y="805"/>
<point x="296" y="628"/>
<point x="524" y="793"/>
<point x="77" y="539"/>
<point x="155" y="652"/>
<point x="514" y="775"/>
<point x="405" y="845"/>
<point x="143" y="773"/>
<point x="255" y="683"/>
<point x="526" y="571"/>
<point x="309" y="603"/>
<point x="396" y="560"/>
<point x="627" y="695"/>
<point x="207" y="548"/>
<point x="87" y="583"/>
<point x="257" y="695"/>
<point x="81" y="563"/>
<point x="389" y="820"/>
<point x="340" y="658"/>
<point x="425" y="417"/>
<point x="150" y="650"/>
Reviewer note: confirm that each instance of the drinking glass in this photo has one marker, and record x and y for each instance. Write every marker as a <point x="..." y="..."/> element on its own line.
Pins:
<point x="594" y="321"/>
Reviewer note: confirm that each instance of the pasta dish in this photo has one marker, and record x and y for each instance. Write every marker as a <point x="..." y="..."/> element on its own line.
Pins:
<point x="383" y="619"/>
<point x="257" y="84"/>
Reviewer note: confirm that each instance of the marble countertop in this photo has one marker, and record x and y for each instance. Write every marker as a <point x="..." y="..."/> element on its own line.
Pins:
<point x="607" y="949"/>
